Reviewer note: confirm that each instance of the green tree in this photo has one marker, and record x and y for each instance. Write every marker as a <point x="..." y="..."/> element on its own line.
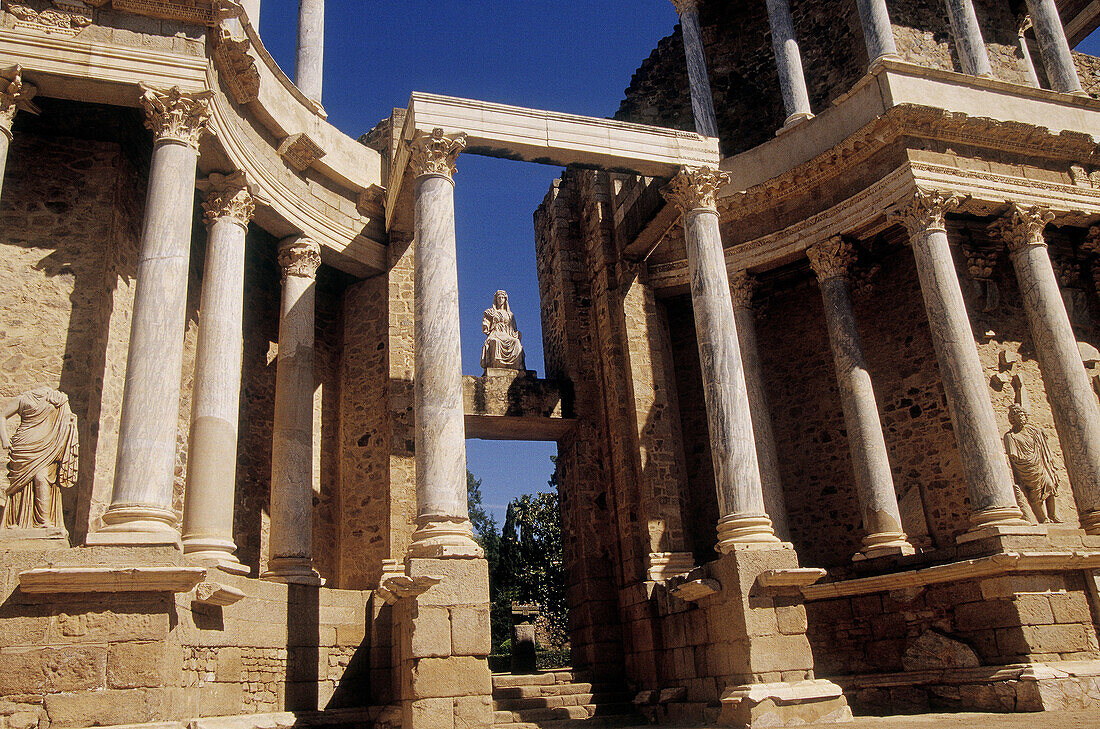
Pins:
<point x="485" y="526"/>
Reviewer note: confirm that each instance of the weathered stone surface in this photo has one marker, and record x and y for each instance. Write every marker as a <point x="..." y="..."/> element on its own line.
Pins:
<point x="52" y="670"/>
<point x="933" y="650"/>
<point x="135" y="665"/>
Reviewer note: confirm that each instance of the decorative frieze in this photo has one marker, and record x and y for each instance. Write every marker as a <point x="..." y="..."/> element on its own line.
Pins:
<point x="237" y="67"/>
<point x="435" y="153"/>
<point x="299" y="151"/>
<point x="66" y="17"/>
<point x="695" y="188"/>
<point x="831" y="258"/>
<point x="227" y="196"/>
<point x="300" y="257"/>
<point x="928" y="211"/>
<point x="15" y="94"/>
<point x="1023" y="226"/>
<point x="200" y="12"/>
<point x="176" y="115"/>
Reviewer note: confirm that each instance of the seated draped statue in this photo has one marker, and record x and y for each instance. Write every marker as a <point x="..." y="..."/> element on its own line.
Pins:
<point x="42" y="458"/>
<point x="1032" y="465"/>
<point x="503" y="348"/>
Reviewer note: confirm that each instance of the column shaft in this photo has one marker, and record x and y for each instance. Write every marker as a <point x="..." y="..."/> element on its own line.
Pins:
<point x="1073" y="403"/>
<point x="985" y="465"/>
<point x="878" y="33"/>
<point x="1025" y="51"/>
<point x="968" y="38"/>
<point x="14" y="93"/>
<point x="310" y="60"/>
<point x="1053" y="47"/>
<point x="788" y="59"/>
<point x="702" y="101"/>
<point x="291" y="543"/>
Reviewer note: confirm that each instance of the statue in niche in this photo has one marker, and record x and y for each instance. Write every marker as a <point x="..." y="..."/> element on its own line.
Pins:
<point x="42" y="458"/>
<point x="1032" y="465"/>
<point x="503" y="347"/>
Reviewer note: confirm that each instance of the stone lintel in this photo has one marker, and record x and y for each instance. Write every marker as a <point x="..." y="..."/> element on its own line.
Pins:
<point x="50" y="580"/>
<point x="516" y="405"/>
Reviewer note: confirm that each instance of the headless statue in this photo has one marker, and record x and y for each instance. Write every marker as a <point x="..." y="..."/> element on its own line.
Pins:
<point x="1032" y="465"/>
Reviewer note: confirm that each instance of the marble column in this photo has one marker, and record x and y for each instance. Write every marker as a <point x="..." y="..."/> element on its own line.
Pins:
<point x="1073" y="402"/>
<point x="291" y="542"/>
<point x="878" y="33"/>
<point x="252" y="10"/>
<point x="725" y="392"/>
<point x="15" y="94"/>
<point x="788" y="59"/>
<point x="141" y="500"/>
<point x="702" y="102"/>
<point x="742" y="288"/>
<point x="1053" y="47"/>
<point x="878" y="501"/>
<point x="443" y="518"/>
<point x="968" y="38"/>
<point x="1025" y="52"/>
<point x="310" y="59"/>
<point x="985" y="466"/>
<point x="212" y="453"/>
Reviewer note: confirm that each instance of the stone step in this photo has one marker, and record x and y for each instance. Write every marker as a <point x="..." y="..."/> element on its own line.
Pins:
<point x="570" y="699"/>
<point x="581" y="712"/>
<point x="597" y="722"/>
<point x="545" y="678"/>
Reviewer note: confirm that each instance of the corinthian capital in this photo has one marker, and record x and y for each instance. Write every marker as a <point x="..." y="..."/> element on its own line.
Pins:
<point x="742" y="288"/>
<point x="15" y="94"/>
<point x="685" y="6"/>
<point x="299" y="256"/>
<point x="176" y="115"/>
<point x="831" y="258"/>
<point x="695" y="188"/>
<point x="1023" y="226"/>
<point x="227" y="196"/>
<point x="928" y="211"/>
<point x="435" y="153"/>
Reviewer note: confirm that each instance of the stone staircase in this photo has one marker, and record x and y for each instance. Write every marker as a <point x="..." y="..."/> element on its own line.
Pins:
<point x="560" y="699"/>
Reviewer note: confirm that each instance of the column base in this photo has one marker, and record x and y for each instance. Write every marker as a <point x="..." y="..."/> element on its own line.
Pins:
<point x="884" y="544"/>
<point x="137" y="525"/>
<point x="743" y="528"/>
<point x="999" y="521"/>
<point x="796" y="703"/>
<point x="1090" y="522"/>
<point x="443" y="538"/>
<point x="794" y="120"/>
<point x="213" y="552"/>
<point x="292" y="571"/>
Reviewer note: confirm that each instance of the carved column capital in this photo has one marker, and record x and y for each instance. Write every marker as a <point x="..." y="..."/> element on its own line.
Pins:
<point x="742" y="288"/>
<point x="928" y="211"/>
<point x="831" y="258"/>
<point x="15" y="94"/>
<point x="299" y="256"/>
<point x="685" y="6"/>
<point x="695" y="188"/>
<point x="227" y="196"/>
<point x="1023" y="24"/>
<point x="1023" y="226"/>
<point x="435" y="153"/>
<point x="175" y="115"/>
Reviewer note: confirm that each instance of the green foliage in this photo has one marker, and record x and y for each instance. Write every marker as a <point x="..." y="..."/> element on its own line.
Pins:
<point x="485" y="526"/>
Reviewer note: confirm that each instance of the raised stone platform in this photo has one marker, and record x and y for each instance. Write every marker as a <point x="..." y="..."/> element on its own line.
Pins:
<point x="516" y="405"/>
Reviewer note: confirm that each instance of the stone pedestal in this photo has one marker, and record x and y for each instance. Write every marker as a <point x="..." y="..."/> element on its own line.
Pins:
<point x="310" y="59"/>
<point x="1053" y="47"/>
<point x="878" y="33"/>
<point x="702" y="101"/>
<point x="968" y="38"/>
<point x="788" y="59"/>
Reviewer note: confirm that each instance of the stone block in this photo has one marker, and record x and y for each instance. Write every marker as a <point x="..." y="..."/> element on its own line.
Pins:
<point x="473" y="712"/>
<point x="1058" y="638"/>
<point x="471" y="634"/>
<point x="780" y="653"/>
<point x="120" y="624"/>
<point x="52" y="670"/>
<point x="230" y="666"/>
<point x="351" y="635"/>
<point x="465" y="581"/>
<point x="429" y="630"/>
<point x="20" y="630"/>
<point x="987" y="614"/>
<point x="1070" y="607"/>
<point x="1009" y="585"/>
<point x="456" y="676"/>
<point x="1034" y="609"/>
<point x="429" y="714"/>
<point x="100" y="708"/>
<point x="791" y="619"/>
<point x="135" y="665"/>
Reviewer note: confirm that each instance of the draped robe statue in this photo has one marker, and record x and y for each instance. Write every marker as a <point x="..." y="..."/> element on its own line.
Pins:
<point x="1032" y="465"/>
<point x="503" y="348"/>
<point x="42" y="458"/>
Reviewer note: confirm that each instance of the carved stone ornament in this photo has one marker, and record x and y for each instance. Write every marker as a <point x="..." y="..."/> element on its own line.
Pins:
<point x="15" y="94"/>
<point x="200" y="12"/>
<point x="300" y="152"/>
<point x="1023" y="24"/>
<point x="742" y="289"/>
<point x="299" y="257"/>
<point x="394" y="587"/>
<point x="66" y="17"/>
<point x="927" y="211"/>
<point x="831" y="258"/>
<point x="227" y="196"/>
<point x="685" y="6"/>
<point x="176" y="115"/>
<point x="435" y="153"/>
<point x="695" y="188"/>
<point x="237" y="67"/>
<point x="1023" y="226"/>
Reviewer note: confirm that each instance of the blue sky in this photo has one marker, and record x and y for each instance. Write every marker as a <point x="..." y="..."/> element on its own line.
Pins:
<point x="568" y="56"/>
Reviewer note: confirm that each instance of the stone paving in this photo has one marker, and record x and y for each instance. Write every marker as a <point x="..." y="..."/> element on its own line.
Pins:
<point x="1080" y="719"/>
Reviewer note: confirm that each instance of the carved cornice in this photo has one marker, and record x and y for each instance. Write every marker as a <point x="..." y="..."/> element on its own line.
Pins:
<point x="695" y="188"/>
<point x="200" y="12"/>
<point x="1022" y="226"/>
<point x="15" y="94"/>
<point x="299" y="257"/>
<point x="831" y="258"/>
<point x="227" y="196"/>
<point x="65" y="18"/>
<point x="236" y="67"/>
<point x="927" y="211"/>
<point x="299" y="151"/>
<point x="176" y="115"/>
<point x="435" y="153"/>
<point x="685" y="6"/>
<point x="742" y="288"/>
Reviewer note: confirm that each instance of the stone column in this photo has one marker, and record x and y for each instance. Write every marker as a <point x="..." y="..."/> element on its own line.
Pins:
<point x="702" y="103"/>
<point x="792" y="79"/>
<point x="1073" y="402"/>
<point x="968" y="38"/>
<point x="878" y="500"/>
<point x="252" y="10"/>
<point x="141" y="500"/>
<point x="291" y="543"/>
<point x="1053" y="47"/>
<point x="985" y="465"/>
<point x="742" y="288"/>
<point x="733" y="449"/>
<point x="878" y="33"/>
<point x="443" y="518"/>
<point x="310" y="59"/>
<point x="1025" y="52"/>
<point x="215" y="405"/>
<point x="15" y="94"/>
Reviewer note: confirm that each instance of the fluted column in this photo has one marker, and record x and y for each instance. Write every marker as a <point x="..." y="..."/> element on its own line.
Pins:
<point x="878" y="500"/>
<point x="968" y="38"/>
<point x="788" y="59"/>
<point x="1053" y="47"/>
<point x="1073" y="403"/>
<point x="1025" y="52"/>
<point x="443" y="518"/>
<point x="291" y="541"/>
<point x="985" y="466"/>
<point x="141" y="500"/>
<point x="878" y="33"/>
<point x="702" y="102"/>
<point x="742" y="288"/>
<point x="310" y="60"/>
<point x="15" y="94"/>
<point x="733" y="449"/>
<point x="212" y="453"/>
